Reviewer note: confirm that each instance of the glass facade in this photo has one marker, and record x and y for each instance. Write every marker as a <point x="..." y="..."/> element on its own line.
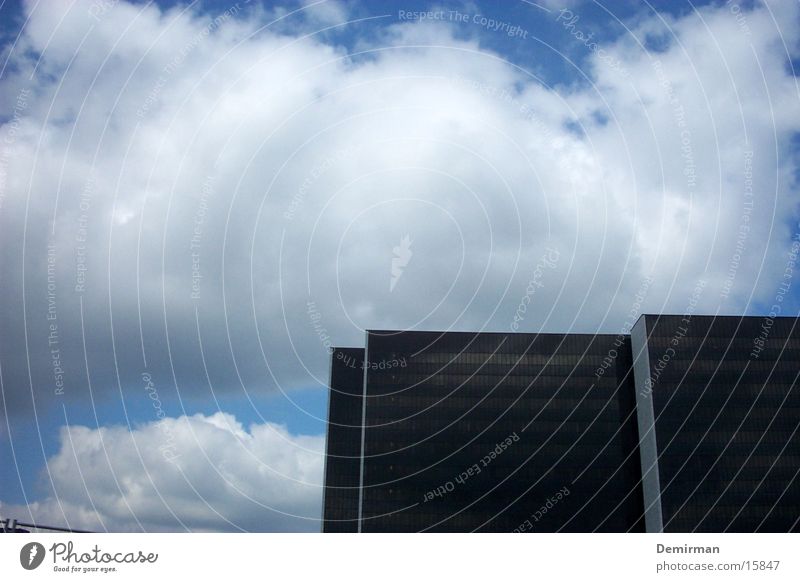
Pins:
<point x="343" y="454"/>
<point x="688" y="424"/>
<point x="499" y="432"/>
<point x="722" y="395"/>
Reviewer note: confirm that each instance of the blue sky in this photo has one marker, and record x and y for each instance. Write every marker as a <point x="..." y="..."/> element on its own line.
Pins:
<point x="299" y="148"/>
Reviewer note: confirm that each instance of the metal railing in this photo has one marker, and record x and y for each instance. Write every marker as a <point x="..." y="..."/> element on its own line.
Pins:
<point x="14" y="526"/>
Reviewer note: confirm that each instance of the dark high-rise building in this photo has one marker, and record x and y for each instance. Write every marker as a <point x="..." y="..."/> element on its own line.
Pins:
<point x="495" y="432"/>
<point x="719" y="409"/>
<point x="343" y="454"/>
<point x="688" y="424"/>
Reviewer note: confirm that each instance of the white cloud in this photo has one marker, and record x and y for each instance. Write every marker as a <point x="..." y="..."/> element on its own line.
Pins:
<point x="204" y="473"/>
<point x="291" y="169"/>
<point x="325" y="14"/>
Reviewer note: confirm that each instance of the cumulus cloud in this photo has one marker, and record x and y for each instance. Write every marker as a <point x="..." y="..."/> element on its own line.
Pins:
<point x="212" y="198"/>
<point x="198" y="473"/>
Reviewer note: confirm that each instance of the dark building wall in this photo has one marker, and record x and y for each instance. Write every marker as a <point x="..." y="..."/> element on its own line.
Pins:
<point x="343" y="455"/>
<point x="500" y="432"/>
<point x="725" y="400"/>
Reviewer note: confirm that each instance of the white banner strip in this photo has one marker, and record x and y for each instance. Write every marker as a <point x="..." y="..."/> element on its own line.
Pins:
<point x="376" y="558"/>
